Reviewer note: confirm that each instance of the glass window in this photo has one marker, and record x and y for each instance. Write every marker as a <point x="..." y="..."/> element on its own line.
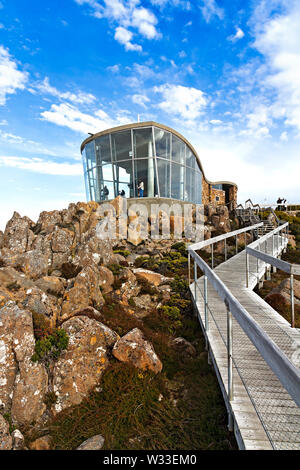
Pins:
<point x="107" y="172"/>
<point x="189" y="193"/>
<point x="163" y="170"/>
<point x="217" y="186"/>
<point x="143" y="143"/>
<point x="103" y="150"/>
<point x="121" y="145"/>
<point x="144" y="171"/>
<point x="90" y="155"/>
<point x="190" y="158"/>
<point x="124" y="178"/>
<point x="177" y="181"/>
<point x="198" y="187"/>
<point x="106" y="190"/>
<point x="162" y="143"/>
<point x="178" y="150"/>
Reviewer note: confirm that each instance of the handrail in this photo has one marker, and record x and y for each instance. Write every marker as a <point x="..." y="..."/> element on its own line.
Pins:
<point x="284" y="369"/>
<point x="219" y="238"/>
<point x="289" y="268"/>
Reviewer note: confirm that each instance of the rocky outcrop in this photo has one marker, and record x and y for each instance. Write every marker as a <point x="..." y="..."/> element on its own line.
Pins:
<point x="93" y="443"/>
<point x="5" y="438"/>
<point x="42" y="443"/>
<point x="134" y="349"/>
<point x="283" y="290"/>
<point x="80" y="367"/>
<point x="23" y="383"/>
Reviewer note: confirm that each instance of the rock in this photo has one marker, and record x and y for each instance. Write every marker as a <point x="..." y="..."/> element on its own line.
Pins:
<point x="93" y="443"/>
<point x="134" y="349"/>
<point x="144" y="303"/>
<point x="84" y="293"/>
<point x="34" y="264"/>
<point x="153" y="278"/>
<point x="106" y="279"/>
<point x="62" y="240"/>
<point x="23" y="383"/>
<point x="1" y="239"/>
<point x="5" y="438"/>
<point x="36" y="301"/>
<point x="184" y="347"/>
<point x="292" y="241"/>
<point x="48" y="221"/>
<point x="17" y="235"/>
<point x="51" y="285"/>
<point x="80" y="367"/>
<point x="18" y="440"/>
<point x="42" y="443"/>
<point x="283" y="290"/>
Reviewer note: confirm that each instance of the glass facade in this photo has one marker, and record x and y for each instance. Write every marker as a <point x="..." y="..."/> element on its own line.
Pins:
<point x="122" y="162"/>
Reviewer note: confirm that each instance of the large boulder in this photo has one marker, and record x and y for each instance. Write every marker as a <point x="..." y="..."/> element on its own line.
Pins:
<point x="18" y="235"/>
<point x="84" y="292"/>
<point x="283" y="290"/>
<point x="153" y="278"/>
<point x="134" y="349"/>
<point x="80" y="367"/>
<point x="23" y="383"/>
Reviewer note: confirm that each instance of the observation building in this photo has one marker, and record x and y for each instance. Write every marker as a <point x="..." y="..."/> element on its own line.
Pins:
<point x="148" y="159"/>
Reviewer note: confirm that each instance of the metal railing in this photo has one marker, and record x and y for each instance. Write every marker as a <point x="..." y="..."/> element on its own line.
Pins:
<point x="278" y="242"/>
<point x="224" y="237"/>
<point x="283" y="368"/>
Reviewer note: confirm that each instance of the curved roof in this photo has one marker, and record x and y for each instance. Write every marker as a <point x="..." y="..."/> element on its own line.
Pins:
<point x="161" y="126"/>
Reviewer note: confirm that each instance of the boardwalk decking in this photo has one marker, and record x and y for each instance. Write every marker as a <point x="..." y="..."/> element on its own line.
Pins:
<point x="265" y="416"/>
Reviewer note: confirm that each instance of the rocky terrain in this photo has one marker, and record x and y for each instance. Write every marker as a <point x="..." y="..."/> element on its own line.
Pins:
<point x="101" y="327"/>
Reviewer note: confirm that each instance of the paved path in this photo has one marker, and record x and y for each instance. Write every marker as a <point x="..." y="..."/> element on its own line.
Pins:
<point x="265" y="415"/>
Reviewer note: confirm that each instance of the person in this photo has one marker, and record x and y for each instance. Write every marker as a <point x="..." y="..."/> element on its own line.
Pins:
<point x="122" y="193"/>
<point x="141" y="189"/>
<point x="105" y="192"/>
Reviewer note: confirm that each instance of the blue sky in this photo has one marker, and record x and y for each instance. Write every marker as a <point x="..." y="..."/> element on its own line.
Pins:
<point x="224" y="73"/>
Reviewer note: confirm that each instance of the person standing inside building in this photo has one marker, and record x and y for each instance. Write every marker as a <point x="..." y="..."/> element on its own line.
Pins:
<point x="106" y="193"/>
<point x="141" y="189"/>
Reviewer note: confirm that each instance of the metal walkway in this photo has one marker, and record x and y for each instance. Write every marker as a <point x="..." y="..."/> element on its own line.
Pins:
<point x="263" y="413"/>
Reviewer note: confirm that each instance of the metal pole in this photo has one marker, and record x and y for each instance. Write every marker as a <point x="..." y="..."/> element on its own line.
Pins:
<point x="212" y="256"/>
<point x="292" y="301"/>
<point x="236" y="245"/>
<point x="195" y="279"/>
<point x="273" y="245"/>
<point x="225" y="249"/>
<point x="245" y="239"/>
<point x="189" y="267"/>
<point x="229" y="364"/>
<point x="247" y="270"/>
<point x="205" y="308"/>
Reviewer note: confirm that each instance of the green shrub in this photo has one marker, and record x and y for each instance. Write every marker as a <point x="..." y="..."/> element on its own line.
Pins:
<point x="50" y="347"/>
<point x="124" y="253"/>
<point x="115" y="268"/>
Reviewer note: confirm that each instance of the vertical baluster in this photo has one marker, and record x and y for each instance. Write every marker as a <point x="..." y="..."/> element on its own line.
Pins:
<point x="195" y="279"/>
<point x="189" y="267"/>
<point x="292" y="301"/>
<point x="247" y="270"/>
<point x="236" y="245"/>
<point x="206" y="310"/>
<point x="212" y="256"/>
<point x="225" y="249"/>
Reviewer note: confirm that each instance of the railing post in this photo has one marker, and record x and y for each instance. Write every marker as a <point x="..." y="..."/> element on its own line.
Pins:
<point x="273" y="253"/>
<point x="189" y="267"/>
<point x="195" y="279"/>
<point x="247" y="270"/>
<point x="229" y="364"/>
<point x="205" y="310"/>
<point x="245" y="239"/>
<point x="212" y="256"/>
<point x="225" y="249"/>
<point x="292" y="301"/>
<point x="236" y="245"/>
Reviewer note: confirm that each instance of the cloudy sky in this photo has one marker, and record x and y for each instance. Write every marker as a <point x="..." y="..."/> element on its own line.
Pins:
<point x="224" y="73"/>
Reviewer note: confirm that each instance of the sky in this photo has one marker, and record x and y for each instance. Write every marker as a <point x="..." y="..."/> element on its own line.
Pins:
<point x="224" y="73"/>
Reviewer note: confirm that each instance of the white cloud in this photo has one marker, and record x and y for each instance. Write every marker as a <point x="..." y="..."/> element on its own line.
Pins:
<point x="278" y="39"/>
<point x="11" y="79"/>
<point x="66" y="115"/>
<point x="140" y="99"/>
<point x="178" y="100"/>
<point x="215" y="122"/>
<point x="210" y="9"/>
<point x="126" y="14"/>
<point x="78" y="98"/>
<point x="114" y="68"/>
<point x="38" y="165"/>
<point x="238" y="35"/>
<point x="124" y="36"/>
<point x="284" y="136"/>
